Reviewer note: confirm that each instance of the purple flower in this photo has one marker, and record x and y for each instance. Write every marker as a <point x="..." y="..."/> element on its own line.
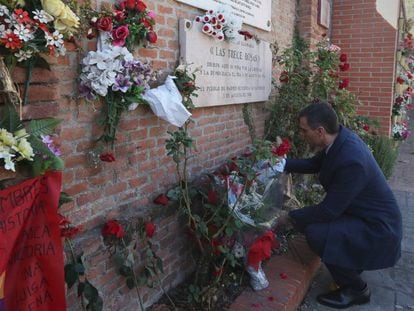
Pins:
<point x="47" y="140"/>
<point x="86" y="91"/>
<point x="405" y="134"/>
<point x="122" y="83"/>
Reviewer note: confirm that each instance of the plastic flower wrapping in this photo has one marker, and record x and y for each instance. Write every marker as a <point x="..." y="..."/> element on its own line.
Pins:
<point x="220" y="24"/>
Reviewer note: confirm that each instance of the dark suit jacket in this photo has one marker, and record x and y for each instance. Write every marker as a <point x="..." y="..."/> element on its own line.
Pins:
<point x="362" y="215"/>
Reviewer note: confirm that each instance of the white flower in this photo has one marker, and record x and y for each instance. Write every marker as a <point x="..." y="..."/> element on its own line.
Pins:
<point x="8" y="163"/>
<point x="22" y="55"/>
<point x="42" y="16"/>
<point x="133" y="106"/>
<point x="60" y="50"/>
<point x="4" y="11"/>
<point x="57" y="38"/>
<point x="24" y="33"/>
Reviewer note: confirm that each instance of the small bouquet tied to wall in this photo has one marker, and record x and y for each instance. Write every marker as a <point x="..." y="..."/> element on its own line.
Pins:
<point x="129" y="23"/>
<point x="219" y="24"/>
<point x="111" y="73"/>
<point x="32" y="29"/>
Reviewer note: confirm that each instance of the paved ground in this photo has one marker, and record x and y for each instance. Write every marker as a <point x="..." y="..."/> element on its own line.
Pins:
<point x="392" y="289"/>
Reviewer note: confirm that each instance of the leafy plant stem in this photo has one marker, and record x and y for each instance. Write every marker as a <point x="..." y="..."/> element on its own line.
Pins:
<point x="141" y="304"/>
<point x="29" y="72"/>
<point x="72" y="253"/>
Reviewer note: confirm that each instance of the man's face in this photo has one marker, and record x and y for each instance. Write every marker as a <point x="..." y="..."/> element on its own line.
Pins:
<point x="314" y="137"/>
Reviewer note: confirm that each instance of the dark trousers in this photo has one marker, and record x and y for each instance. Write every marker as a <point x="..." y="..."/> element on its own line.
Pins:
<point x="316" y="236"/>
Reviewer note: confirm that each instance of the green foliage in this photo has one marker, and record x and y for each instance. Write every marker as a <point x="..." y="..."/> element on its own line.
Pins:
<point x="75" y="273"/>
<point x="385" y="151"/>
<point x="308" y="76"/>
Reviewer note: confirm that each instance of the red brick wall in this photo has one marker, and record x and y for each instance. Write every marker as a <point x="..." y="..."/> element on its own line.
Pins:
<point x="124" y="189"/>
<point x="370" y="42"/>
<point x="307" y="22"/>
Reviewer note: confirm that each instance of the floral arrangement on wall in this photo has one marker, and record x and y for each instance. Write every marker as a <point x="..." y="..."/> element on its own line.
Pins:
<point x="219" y="24"/>
<point x="28" y="145"/>
<point x="112" y="74"/>
<point x="33" y="28"/>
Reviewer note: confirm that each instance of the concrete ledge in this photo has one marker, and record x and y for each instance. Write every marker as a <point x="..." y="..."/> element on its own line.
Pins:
<point x="298" y="267"/>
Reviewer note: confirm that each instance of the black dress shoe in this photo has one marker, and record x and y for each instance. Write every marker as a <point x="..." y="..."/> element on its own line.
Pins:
<point x="344" y="298"/>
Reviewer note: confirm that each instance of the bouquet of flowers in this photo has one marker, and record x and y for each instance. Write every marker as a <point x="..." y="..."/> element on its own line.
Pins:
<point x="114" y="75"/>
<point x="30" y="28"/>
<point x="31" y="143"/>
<point x="130" y="23"/>
<point x="219" y="24"/>
<point x="400" y="131"/>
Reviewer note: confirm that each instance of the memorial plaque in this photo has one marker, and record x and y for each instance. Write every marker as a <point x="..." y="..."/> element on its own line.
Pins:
<point x="257" y="13"/>
<point x="233" y="72"/>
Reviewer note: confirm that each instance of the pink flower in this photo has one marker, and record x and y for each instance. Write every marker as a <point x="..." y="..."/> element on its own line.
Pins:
<point x="119" y="35"/>
<point x="151" y="14"/>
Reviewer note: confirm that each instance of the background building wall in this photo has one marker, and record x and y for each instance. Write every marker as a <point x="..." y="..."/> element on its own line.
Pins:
<point x="370" y="41"/>
<point x="124" y="189"/>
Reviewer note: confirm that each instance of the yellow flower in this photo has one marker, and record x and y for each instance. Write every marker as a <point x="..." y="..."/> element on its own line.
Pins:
<point x="21" y="133"/>
<point x="25" y="149"/>
<point x="7" y="138"/>
<point x="66" y="21"/>
<point x="53" y="7"/>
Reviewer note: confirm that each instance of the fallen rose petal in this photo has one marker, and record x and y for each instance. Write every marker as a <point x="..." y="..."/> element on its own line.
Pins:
<point x="271" y="298"/>
<point x="283" y="275"/>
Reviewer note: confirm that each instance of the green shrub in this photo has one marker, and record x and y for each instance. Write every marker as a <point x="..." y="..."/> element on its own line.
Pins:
<point x="385" y="151"/>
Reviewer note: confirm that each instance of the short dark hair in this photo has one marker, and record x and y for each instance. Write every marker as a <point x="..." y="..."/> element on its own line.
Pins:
<point x="321" y="114"/>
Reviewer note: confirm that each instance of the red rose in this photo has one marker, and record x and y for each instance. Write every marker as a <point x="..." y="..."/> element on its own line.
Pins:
<point x="104" y="23"/>
<point x="130" y="4"/>
<point x="283" y="275"/>
<point x="400" y="80"/>
<point x="146" y="23"/>
<point x="323" y="34"/>
<point x="149" y="229"/>
<point x="113" y="228"/>
<point x="282" y="149"/>
<point x="107" y="157"/>
<point x="119" y="35"/>
<point x="119" y="15"/>
<point x="365" y="127"/>
<point x="162" y="199"/>
<point x="212" y="197"/>
<point x="344" y="83"/>
<point x="140" y="6"/>
<point x="284" y="76"/>
<point x="246" y="34"/>
<point x="152" y="37"/>
<point x="343" y="58"/>
<point x="344" y="67"/>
